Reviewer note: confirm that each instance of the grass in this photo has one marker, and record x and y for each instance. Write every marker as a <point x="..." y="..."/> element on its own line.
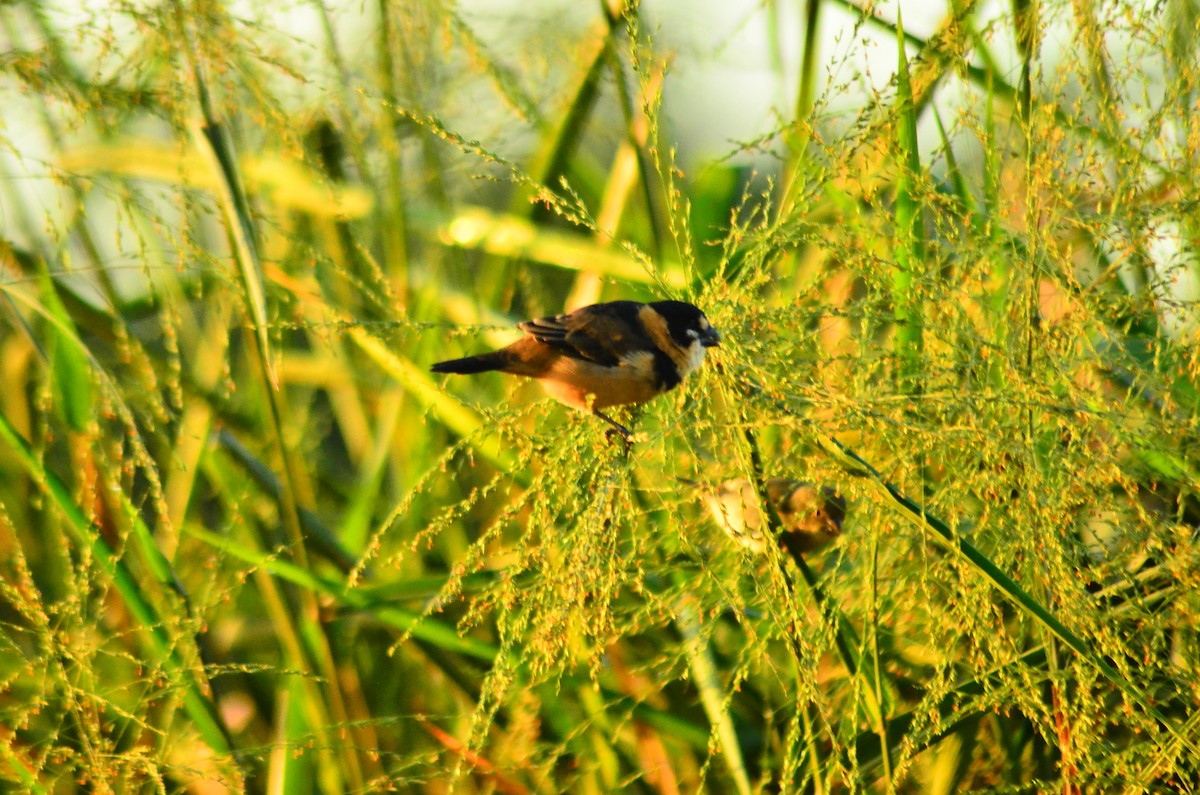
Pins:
<point x="249" y="542"/>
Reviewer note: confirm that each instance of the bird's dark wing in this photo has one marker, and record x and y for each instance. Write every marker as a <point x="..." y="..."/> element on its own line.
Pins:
<point x="602" y="333"/>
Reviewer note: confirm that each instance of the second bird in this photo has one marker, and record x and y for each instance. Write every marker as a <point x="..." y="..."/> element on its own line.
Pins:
<point x="605" y="354"/>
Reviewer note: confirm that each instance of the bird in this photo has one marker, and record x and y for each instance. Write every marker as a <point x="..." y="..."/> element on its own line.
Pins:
<point x="604" y="355"/>
<point x="811" y="516"/>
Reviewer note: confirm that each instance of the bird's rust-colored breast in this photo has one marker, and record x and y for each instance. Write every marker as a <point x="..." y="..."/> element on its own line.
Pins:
<point x="586" y="385"/>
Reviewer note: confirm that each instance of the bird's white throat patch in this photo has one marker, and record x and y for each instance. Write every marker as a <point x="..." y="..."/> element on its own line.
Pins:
<point x="695" y="357"/>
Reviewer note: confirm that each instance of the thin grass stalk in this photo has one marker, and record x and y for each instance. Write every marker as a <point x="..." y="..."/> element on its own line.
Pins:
<point x="807" y="89"/>
<point x="1168" y="755"/>
<point x="68" y="362"/>
<point x="608" y="757"/>
<point x="355" y="524"/>
<point x="1091" y="34"/>
<point x="799" y="131"/>
<point x="393" y="212"/>
<point x="812" y="750"/>
<point x="551" y="162"/>
<point x="349" y="138"/>
<point x="1025" y="22"/>
<point x="626" y="18"/>
<point x="1001" y="280"/>
<point x="962" y="191"/>
<point x="433" y="174"/>
<point x="211" y="341"/>
<point x="287" y="631"/>
<point x="212" y="140"/>
<point x="877" y="681"/>
<point x="289" y="769"/>
<point x="622" y="179"/>
<point x="910" y="231"/>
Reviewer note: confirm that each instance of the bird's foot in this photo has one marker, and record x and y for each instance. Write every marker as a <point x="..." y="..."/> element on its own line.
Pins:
<point x="616" y="431"/>
<point x="624" y="436"/>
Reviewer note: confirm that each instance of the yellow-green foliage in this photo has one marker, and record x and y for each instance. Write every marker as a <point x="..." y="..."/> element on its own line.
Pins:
<point x="248" y="540"/>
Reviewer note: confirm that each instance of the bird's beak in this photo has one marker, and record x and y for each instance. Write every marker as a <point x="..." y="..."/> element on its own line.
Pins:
<point x="710" y="338"/>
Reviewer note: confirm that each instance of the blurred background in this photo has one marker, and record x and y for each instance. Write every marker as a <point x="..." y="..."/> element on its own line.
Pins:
<point x="925" y="522"/>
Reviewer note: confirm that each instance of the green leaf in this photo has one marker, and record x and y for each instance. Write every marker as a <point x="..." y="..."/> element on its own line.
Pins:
<point x="69" y="365"/>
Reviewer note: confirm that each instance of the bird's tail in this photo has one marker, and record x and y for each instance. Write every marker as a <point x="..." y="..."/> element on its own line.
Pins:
<point x="472" y="364"/>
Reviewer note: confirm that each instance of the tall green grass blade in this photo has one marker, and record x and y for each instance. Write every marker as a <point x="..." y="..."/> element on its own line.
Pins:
<point x="283" y="182"/>
<point x="69" y="368"/>
<point x="163" y="648"/>
<point x="638" y="110"/>
<point x="876" y="683"/>
<point x="212" y="140"/>
<point x="16" y="767"/>
<point x="323" y="540"/>
<point x="516" y="238"/>
<point x="800" y="130"/>
<point x="1025" y="23"/>
<point x="290" y="769"/>
<point x="1000" y="283"/>
<point x="712" y="693"/>
<point x="961" y="190"/>
<point x="406" y="621"/>
<point x="551" y="162"/>
<point x="355" y="525"/>
<point x="303" y="639"/>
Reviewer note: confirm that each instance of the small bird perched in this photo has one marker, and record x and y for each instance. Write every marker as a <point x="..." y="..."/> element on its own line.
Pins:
<point x="811" y="516"/>
<point x="604" y="354"/>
